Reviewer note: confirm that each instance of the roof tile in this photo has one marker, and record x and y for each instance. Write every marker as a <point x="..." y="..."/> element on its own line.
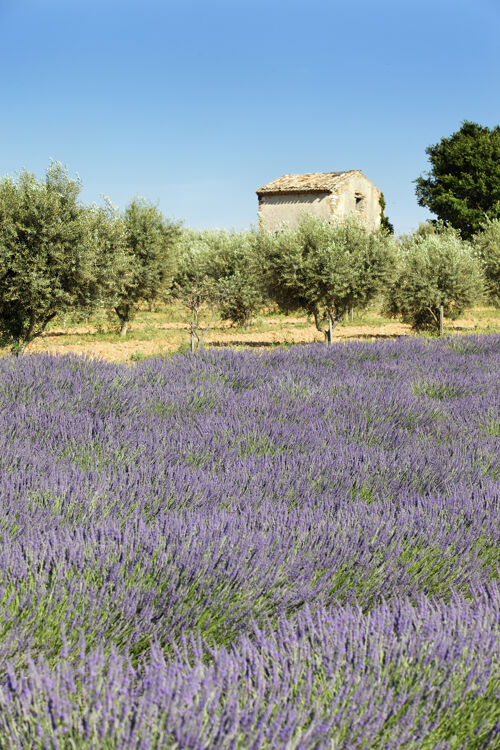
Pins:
<point x="299" y="183"/>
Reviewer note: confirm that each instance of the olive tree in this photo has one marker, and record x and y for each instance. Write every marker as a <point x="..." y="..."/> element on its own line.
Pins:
<point x="195" y="286"/>
<point x="326" y="268"/>
<point x="218" y="273"/>
<point x="150" y="241"/>
<point x="232" y="263"/>
<point x="487" y="243"/>
<point x="437" y="274"/>
<point x="53" y="253"/>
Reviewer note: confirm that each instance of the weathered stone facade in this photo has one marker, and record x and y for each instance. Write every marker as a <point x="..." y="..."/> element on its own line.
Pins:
<point x="329" y="195"/>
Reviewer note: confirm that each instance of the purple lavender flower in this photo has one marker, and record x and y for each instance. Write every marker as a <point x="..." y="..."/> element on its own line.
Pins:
<point x="293" y="549"/>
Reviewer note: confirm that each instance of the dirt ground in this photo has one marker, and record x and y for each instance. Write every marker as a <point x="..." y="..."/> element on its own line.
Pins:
<point x="123" y="349"/>
<point x="166" y="332"/>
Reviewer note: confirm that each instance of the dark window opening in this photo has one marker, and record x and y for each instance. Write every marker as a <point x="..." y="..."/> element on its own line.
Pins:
<point x="359" y="201"/>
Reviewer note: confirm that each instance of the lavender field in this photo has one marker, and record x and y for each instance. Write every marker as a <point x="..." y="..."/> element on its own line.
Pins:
<point x="235" y="550"/>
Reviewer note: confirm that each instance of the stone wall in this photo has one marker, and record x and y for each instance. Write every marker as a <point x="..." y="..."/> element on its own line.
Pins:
<point x="359" y="196"/>
<point x="355" y="194"/>
<point x="287" y="209"/>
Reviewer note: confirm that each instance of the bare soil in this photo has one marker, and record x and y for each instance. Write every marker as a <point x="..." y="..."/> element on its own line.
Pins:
<point x="166" y="332"/>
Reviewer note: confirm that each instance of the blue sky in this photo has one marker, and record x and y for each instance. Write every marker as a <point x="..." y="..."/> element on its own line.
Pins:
<point x="195" y="105"/>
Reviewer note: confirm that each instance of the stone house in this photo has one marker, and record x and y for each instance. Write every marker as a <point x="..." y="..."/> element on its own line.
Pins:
<point x="329" y="195"/>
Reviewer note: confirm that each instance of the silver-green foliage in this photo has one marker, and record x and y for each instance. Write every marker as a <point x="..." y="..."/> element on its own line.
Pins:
<point x="326" y="268"/>
<point x="435" y="269"/>
<point x="217" y="271"/>
<point x="56" y="255"/>
<point x="150" y="242"/>
<point x="194" y="285"/>
<point x="487" y="243"/>
<point x="233" y="264"/>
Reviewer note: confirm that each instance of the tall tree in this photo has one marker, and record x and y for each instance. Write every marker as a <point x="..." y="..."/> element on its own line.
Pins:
<point x="462" y="187"/>
<point x="326" y="269"/>
<point x="50" y="254"/>
<point x="150" y="241"/>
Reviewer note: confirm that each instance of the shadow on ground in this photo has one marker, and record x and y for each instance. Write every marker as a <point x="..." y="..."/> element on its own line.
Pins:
<point x="271" y="344"/>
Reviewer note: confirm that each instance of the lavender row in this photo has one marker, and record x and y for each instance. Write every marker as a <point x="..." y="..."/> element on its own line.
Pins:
<point x="129" y="582"/>
<point x="421" y="675"/>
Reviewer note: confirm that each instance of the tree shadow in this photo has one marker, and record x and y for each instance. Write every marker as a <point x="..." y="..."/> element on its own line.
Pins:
<point x="371" y="336"/>
<point x="270" y="344"/>
<point x="75" y="332"/>
<point x="53" y="334"/>
<point x="465" y="329"/>
<point x="250" y="344"/>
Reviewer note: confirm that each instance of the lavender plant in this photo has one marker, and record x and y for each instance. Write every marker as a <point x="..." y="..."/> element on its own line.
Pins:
<point x="236" y="550"/>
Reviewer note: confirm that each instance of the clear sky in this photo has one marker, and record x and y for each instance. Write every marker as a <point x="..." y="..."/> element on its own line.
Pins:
<point x="196" y="104"/>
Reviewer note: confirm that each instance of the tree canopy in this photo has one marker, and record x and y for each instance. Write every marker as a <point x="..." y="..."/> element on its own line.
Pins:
<point x="217" y="272"/>
<point x="462" y="187"/>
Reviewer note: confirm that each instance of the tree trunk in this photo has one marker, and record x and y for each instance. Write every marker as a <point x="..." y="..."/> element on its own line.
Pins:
<point x="124" y="318"/>
<point x="441" y="320"/>
<point x="20" y="346"/>
<point x="437" y="320"/>
<point x="193" y="342"/>
<point x="317" y="323"/>
<point x="330" y="328"/>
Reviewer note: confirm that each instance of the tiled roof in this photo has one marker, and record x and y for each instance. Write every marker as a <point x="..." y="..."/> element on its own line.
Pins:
<point x="299" y="183"/>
